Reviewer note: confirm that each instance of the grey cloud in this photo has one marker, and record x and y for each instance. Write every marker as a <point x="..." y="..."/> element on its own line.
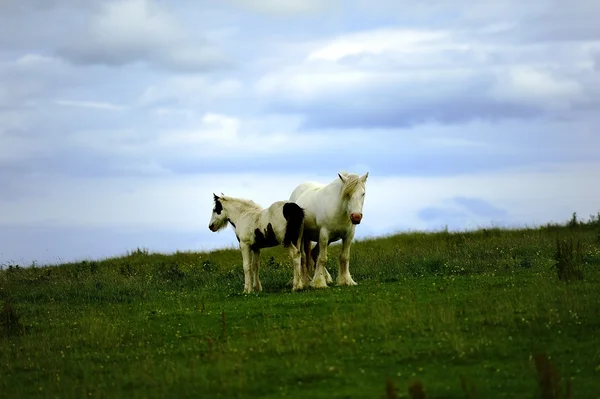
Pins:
<point x="397" y="105"/>
<point x="597" y="61"/>
<point x="575" y="21"/>
<point x="183" y="58"/>
<point x="112" y="33"/>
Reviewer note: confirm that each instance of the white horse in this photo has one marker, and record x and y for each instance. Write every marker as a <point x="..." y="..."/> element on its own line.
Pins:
<point x="332" y="213"/>
<point x="257" y="228"/>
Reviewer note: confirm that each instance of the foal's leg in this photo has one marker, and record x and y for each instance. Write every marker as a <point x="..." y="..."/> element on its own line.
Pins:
<point x="246" y="259"/>
<point x="255" y="268"/>
<point x="344" y="277"/>
<point x="319" y="279"/>
<point x="296" y="258"/>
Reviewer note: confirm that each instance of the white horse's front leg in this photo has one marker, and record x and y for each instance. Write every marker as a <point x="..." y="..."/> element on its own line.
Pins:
<point x="246" y="259"/>
<point x="255" y="267"/>
<point x="319" y="280"/>
<point x="314" y="256"/>
<point x="344" y="277"/>
<point x="296" y="258"/>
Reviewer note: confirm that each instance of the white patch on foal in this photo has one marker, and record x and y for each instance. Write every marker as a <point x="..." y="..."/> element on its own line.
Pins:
<point x="332" y="213"/>
<point x="257" y="228"/>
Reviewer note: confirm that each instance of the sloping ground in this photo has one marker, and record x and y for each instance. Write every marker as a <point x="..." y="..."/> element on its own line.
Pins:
<point x="428" y="307"/>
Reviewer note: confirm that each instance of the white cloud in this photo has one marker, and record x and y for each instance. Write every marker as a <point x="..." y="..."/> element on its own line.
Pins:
<point x="203" y="136"/>
<point x="129" y="31"/>
<point x="190" y="92"/>
<point x="380" y="41"/>
<point x="90" y="104"/>
<point x="535" y="87"/>
<point x="287" y="8"/>
<point x="417" y="75"/>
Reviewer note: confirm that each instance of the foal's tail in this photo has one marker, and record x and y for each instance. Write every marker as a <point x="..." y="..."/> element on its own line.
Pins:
<point x="294" y="215"/>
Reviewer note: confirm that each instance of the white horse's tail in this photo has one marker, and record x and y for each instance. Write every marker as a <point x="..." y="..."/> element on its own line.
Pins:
<point x="294" y="215"/>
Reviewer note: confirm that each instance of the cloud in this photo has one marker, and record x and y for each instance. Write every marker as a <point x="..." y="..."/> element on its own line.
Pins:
<point x="462" y="212"/>
<point x="131" y="31"/>
<point x="190" y="93"/>
<point x="90" y="104"/>
<point x="396" y="77"/>
<point x="558" y="23"/>
<point x="290" y="8"/>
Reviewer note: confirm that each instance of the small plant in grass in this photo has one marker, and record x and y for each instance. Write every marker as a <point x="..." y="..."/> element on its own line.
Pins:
<point x="549" y="380"/>
<point x="273" y="264"/>
<point x="209" y="266"/>
<point x="468" y="387"/>
<point x="568" y="260"/>
<point x="390" y="390"/>
<point x="573" y="222"/>
<point x="171" y="272"/>
<point x="416" y="391"/>
<point x="10" y="321"/>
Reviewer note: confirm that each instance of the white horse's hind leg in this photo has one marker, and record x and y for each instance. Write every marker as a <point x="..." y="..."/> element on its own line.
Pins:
<point x="296" y="258"/>
<point x="344" y="277"/>
<point x="246" y="259"/>
<point x="319" y="280"/>
<point x="255" y="269"/>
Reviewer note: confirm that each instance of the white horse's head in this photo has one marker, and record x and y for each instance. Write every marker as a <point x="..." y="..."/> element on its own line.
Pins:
<point x="219" y="216"/>
<point x="353" y="192"/>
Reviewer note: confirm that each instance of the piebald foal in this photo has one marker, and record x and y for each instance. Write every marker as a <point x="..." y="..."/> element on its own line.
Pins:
<point x="257" y="228"/>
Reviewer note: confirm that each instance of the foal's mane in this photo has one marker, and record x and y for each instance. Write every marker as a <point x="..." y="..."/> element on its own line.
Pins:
<point x="246" y="205"/>
<point x="353" y="181"/>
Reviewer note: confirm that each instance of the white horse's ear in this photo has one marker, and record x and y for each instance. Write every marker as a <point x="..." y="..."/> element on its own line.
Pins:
<point x="342" y="178"/>
<point x="216" y="197"/>
<point x="364" y="177"/>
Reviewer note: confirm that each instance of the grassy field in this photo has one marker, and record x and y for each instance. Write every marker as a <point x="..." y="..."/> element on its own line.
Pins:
<point x="463" y="314"/>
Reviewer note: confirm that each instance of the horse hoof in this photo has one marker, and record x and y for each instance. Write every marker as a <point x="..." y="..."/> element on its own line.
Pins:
<point x="299" y="287"/>
<point x="319" y="283"/>
<point x="346" y="281"/>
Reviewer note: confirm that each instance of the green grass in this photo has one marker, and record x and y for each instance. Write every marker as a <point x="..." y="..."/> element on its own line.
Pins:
<point x="433" y="307"/>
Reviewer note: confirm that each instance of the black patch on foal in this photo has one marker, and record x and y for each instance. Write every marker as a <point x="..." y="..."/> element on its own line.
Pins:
<point x="264" y="239"/>
<point x="218" y="207"/>
<point x="294" y="215"/>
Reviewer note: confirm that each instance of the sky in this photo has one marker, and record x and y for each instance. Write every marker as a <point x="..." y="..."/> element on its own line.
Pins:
<point x="120" y="118"/>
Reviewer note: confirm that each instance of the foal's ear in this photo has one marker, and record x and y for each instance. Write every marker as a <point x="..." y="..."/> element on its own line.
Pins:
<point x="215" y="197"/>
<point x="342" y="178"/>
<point x="364" y="177"/>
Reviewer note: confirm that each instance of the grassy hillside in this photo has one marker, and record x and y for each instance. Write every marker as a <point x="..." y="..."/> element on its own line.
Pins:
<point x="453" y="311"/>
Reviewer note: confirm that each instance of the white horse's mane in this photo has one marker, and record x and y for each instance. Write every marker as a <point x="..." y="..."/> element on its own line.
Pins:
<point x="352" y="182"/>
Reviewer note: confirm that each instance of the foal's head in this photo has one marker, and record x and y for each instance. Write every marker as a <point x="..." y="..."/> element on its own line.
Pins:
<point x="219" y="217"/>
<point x="353" y="193"/>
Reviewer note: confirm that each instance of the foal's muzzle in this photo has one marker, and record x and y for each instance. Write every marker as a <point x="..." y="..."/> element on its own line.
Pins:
<point x="211" y="227"/>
